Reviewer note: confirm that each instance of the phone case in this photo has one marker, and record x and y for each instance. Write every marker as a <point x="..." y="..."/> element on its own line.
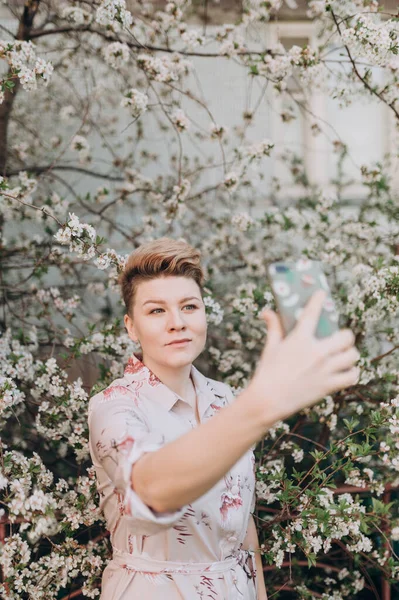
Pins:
<point x="293" y="283"/>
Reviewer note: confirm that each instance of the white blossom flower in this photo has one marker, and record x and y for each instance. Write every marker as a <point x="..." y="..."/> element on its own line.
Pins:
<point x="44" y="69"/>
<point x="232" y="46"/>
<point x="218" y="131"/>
<point x="81" y="145"/>
<point x="242" y="221"/>
<point x="66" y="112"/>
<point x="298" y="454"/>
<point x="20" y="150"/>
<point x="231" y="181"/>
<point x="215" y="312"/>
<point x="136" y="101"/>
<point x="375" y="42"/>
<point x="164" y="68"/>
<point x="180" y="119"/>
<point x="116" y="54"/>
<point x="193" y="38"/>
<point x="22" y="59"/>
<point x="77" y="15"/>
<point x="111" y="12"/>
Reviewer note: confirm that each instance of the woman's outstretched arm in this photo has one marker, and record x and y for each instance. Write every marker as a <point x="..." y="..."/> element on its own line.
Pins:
<point x="292" y="373"/>
<point x="185" y="469"/>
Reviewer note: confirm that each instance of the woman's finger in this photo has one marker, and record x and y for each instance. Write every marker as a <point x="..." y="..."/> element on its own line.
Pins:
<point x="309" y="318"/>
<point x="344" y="360"/>
<point x="344" y="379"/>
<point x="337" y="342"/>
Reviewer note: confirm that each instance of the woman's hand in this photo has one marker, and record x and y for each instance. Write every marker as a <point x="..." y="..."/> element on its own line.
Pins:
<point x="298" y="370"/>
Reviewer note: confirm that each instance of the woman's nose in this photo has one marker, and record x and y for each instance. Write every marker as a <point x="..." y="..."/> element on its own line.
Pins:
<point x="176" y="319"/>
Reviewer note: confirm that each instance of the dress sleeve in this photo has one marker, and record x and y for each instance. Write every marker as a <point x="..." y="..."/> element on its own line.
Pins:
<point x="119" y="436"/>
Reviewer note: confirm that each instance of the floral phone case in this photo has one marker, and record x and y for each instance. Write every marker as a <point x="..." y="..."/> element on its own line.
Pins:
<point x="293" y="283"/>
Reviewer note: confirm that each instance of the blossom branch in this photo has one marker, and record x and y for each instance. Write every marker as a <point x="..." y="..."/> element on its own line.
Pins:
<point x="366" y="84"/>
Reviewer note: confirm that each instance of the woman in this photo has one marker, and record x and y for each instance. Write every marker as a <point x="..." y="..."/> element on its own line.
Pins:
<point x="173" y="449"/>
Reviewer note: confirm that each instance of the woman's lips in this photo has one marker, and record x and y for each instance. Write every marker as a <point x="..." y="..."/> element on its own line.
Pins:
<point x="180" y="344"/>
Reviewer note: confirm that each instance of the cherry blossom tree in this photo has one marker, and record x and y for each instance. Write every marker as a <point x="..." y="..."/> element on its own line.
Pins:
<point x="106" y="141"/>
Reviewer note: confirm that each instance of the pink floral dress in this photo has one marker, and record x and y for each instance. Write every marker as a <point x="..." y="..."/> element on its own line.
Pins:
<point x="196" y="552"/>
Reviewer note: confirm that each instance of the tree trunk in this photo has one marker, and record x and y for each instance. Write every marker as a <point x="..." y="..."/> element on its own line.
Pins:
<point x="24" y="29"/>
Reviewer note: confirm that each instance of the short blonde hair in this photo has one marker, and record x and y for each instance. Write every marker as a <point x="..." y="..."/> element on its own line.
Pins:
<point x="159" y="258"/>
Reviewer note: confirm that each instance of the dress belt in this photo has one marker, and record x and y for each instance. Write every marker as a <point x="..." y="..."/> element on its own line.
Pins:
<point x="150" y="565"/>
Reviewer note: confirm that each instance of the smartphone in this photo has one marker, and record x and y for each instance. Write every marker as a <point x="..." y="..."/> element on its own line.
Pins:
<point x="293" y="283"/>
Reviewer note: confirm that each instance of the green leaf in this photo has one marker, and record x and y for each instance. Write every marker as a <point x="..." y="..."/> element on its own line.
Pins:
<point x="297" y="474"/>
<point x="316" y="454"/>
<point x="381" y="508"/>
<point x="376" y="418"/>
<point x="351" y="423"/>
<point x="364" y="528"/>
<point x="311" y="560"/>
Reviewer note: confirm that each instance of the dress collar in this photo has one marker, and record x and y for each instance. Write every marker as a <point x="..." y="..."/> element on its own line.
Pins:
<point x="137" y="371"/>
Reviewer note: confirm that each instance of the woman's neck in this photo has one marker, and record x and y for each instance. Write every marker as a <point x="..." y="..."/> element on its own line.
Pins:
<point x="177" y="380"/>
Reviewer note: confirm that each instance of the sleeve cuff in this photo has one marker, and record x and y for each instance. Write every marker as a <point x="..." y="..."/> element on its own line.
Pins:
<point x="134" y="506"/>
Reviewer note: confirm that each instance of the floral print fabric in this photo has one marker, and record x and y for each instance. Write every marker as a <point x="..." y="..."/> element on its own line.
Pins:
<point x="194" y="553"/>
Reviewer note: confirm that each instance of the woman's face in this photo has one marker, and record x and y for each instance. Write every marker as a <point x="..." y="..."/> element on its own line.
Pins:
<point x="167" y="309"/>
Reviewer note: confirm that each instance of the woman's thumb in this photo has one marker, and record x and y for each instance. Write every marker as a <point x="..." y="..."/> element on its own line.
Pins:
<point x="275" y="333"/>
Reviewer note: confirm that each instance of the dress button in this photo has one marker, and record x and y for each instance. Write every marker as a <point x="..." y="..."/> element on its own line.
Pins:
<point x="232" y="539"/>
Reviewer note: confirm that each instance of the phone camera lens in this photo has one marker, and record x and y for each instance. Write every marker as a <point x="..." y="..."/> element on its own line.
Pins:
<point x="281" y="269"/>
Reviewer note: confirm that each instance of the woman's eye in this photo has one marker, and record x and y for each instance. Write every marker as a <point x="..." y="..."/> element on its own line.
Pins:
<point x="191" y="305"/>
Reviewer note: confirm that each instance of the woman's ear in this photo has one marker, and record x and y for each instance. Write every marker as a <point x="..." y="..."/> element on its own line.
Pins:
<point x="130" y="328"/>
